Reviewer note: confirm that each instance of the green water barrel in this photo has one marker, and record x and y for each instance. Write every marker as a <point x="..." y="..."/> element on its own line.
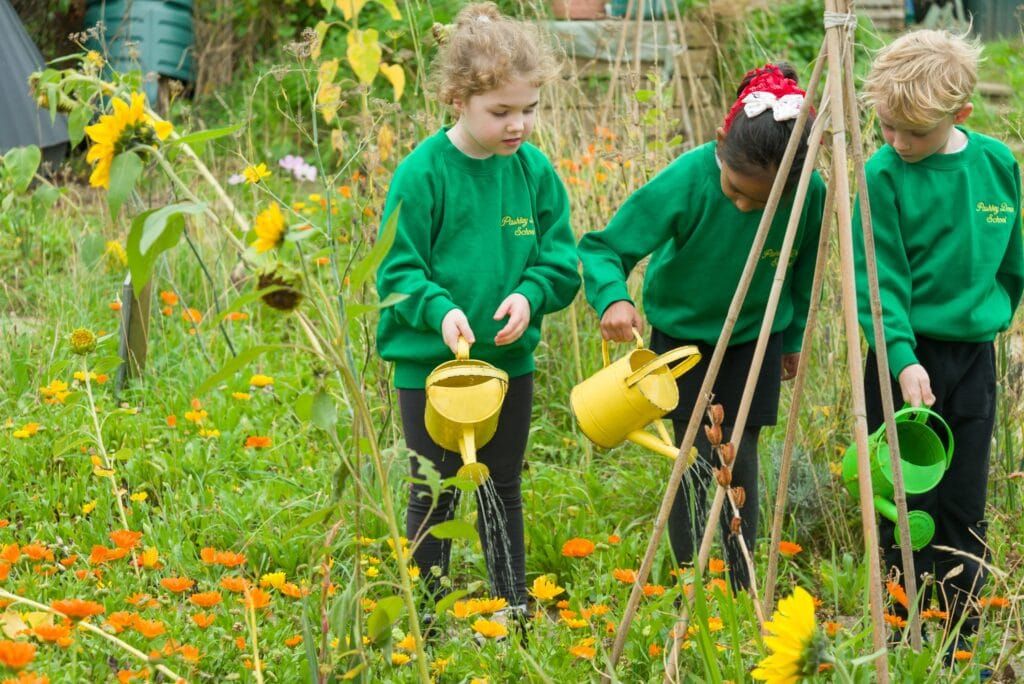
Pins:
<point x="160" y="30"/>
<point x="653" y="9"/>
<point x="995" y="19"/>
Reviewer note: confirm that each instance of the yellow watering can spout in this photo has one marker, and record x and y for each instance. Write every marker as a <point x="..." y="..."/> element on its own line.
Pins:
<point x="464" y="399"/>
<point x="620" y="400"/>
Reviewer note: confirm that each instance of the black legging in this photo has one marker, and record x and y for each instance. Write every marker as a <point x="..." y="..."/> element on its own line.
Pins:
<point x="503" y="455"/>
<point x="685" y="530"/>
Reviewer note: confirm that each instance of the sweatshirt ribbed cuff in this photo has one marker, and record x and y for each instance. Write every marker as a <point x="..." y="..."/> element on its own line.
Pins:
<point x="436" y="310"/>
<point x="611" y="294"/>
<point x="901" y="355"/>
<point x="534" y="295"/>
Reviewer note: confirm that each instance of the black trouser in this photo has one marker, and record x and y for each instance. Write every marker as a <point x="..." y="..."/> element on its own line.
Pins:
<point x="689" y="514"/>
<point x="503" y="455"/>
<point x="963" y="379"/>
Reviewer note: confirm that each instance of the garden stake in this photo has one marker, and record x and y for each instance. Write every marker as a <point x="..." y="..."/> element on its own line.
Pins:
<point x="796" y="399"/>
<point x="835" y="35"/>
<point x="882" y="355"/>
<point x="704" y="393"/>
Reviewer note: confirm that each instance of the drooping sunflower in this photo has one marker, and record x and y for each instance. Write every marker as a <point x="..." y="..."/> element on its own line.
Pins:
<point x="129" y="124"/>
<point x="797" y="646"/>
<point x="269" y="228"/>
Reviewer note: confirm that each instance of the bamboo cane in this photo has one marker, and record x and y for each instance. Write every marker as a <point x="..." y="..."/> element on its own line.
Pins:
<point x="882" y="355"/>
<point x="712" y="372"/>
<point x="796" y="399"/>
<point x="835" y="39"/>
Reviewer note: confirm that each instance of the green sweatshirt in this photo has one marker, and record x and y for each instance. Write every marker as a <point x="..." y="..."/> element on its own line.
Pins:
<point x="700" y="242"/>
<point x="948" y="241"/>
<point x="470" y="233"/>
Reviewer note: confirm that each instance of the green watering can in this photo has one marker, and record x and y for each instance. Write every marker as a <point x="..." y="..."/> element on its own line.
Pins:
<point x="924" y="461"/>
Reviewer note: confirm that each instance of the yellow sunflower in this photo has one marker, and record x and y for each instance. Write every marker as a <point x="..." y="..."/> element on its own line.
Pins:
<point x="797" y="646"/>
<point x="128" y="124"/>
<point x="269" y="229"/>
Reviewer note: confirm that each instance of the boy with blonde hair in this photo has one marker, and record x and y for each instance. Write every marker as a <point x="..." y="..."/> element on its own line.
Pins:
<point x="946" y="211"/>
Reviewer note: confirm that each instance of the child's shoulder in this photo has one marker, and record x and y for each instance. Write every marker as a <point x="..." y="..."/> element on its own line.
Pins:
<point x="992" y="149"/>
<point x="534" y="158"/>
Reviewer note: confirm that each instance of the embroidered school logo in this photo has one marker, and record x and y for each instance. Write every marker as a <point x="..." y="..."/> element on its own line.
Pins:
<point x="522" y="225"/>
<point x="995" y="213"/>
<point x="772" y="255"/>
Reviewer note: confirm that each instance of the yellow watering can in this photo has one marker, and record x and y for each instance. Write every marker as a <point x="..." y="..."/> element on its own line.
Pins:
<point x="621" y="399"/>
<point x="464" y="399"/>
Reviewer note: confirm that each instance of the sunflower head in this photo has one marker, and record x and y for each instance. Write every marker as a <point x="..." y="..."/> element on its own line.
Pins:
<point x="270" y="228"/>
<point x="288" y="297"/>
<point x="797" y="646"/>
<point x="127" y="126"/>
<point x="82" y="340"/>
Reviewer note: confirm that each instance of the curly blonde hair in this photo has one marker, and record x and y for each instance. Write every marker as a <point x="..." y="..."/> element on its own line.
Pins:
<point x="484" y="50"/>
<point x="923" y="76"/>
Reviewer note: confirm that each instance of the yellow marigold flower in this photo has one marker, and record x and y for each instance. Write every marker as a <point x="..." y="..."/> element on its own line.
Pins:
<point x="407" y="644"/>
<point x="797" y="647"/>
<point x="27" y="430"/>
<point x="273" y="579"/>
<point x="139" y="497"/>
<point x="95" y="59"/>
<point x="439" y="665"/>
<point x="82" y="341"/>
<point x="209" y="432"/>
<point x="486" y="606"/>
<point x="584" y="649"/>
<point x="241" y="396"/>
<point x="489" y="628"/>
<point x="574" y="623"/>
<point x="259" y="380"/>
<point x="196" y="416"/>
<point x="87" y="508"/>
<point x="270" y="228"/>
<point x="399" y="659"/>
<point x="115" y="254"/>
<point x="129" y="124"/>
<point x="254" y="174"/>
<point x="372" y="572"/>
<point x="544" y="589"/>
<point x="150" y="558"/>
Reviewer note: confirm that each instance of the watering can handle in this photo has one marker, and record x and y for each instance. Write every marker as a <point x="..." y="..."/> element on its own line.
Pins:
<point x="921" y="414"/>
<point x="604" y="347"/>
<point x="462" y="349"/>
<point x="687" y="356"/>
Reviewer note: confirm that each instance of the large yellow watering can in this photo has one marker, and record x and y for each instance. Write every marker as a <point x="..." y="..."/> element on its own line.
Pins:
<point x="464" y="399"/>
<point x="620" y="400"/>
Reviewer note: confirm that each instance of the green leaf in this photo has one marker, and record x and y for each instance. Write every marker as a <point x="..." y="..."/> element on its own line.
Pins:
<point x="238" y="363"/>
<point x="383" y="616"/>
<point x="392" y="7"/>
<point x="152" y="233"/>
<point x="77" y="120"/>
<point x="357" y="310"/>
<point x="644" y="95"/>
<point x="124" y="174"/>
<point x="304" y="407"/>
<point x="324" y="414"/>
<point x="91" y="249"/>
<point x="369" y="263"/>
<point x="454" y="529"/>
<point x="106" y="364"/>
<point x="203" y="136"/>
<point x="315" y="518"/>
<point x="45" y="196"/>
<point x="21" y="164"/>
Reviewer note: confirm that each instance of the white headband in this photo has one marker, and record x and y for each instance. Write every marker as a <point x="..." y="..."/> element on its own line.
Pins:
<point x="783" y="108"/>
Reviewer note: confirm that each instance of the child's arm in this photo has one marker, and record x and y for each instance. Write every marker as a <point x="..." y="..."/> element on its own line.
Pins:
<point x="1011" y="271"/>
<point x="552" y="281"/>
<point x="405" y="269"/>
<point x="894" y="276"/>
<point x="647" y="220"/>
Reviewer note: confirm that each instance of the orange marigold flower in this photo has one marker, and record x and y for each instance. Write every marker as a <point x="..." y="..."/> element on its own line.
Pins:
<point x="895" y="621"/>
<point x="897" y="593"/>
<point x="654" y="650"/>
<point x="291" y="590"/>
<point x="203" y="620"/>
<point x="77" y="608"/>
<point x="168" y="297"/>
<point x="577" y="548"/>
<point x="240" y="643"/>
<point x="193" y="316"/>
<point x="137" y="598"/>
<point x="101" y="554"/>
<point x="188" y="653"/>
<point x="206" y="599"/>
<point x="832" y="628"/>
<point x="235" y="584"/>
<point x="961" y="656"/>
<point x="212" y="556"/>
<point x="148" y="628"/>
<point x="69" y="561"/>
<point x="4" y="522"/>
<point x="16" y="654"/>
<point x="5" y="570"/>
<point x="177" y="584"/>
<point x="172" y="420"/>
<point x="994" y="602"/>
<point x="114" y="306"/>
<point x="614" y="539"/>
<point x="125" y="539"/>
<point x="51" y="632"/>
<point x="293" y="641"/>
<point x="256" y="598"/>
<point x="716" y="566"/>
<point x="37" y="552"/>
<point x="625" y="576"/>
<point x="584" y="649"/>
<point x="653" y="590"/>
<point x="121" y="620"/>
<point x="933" y="614"/>
<point x="256" y="442"/>
<point x="788" y="548"/>
<point x="26" y="677"/>
<point x="717" y="585"/>
<point x="10" y="553"/>
<point x="236" y="316"/>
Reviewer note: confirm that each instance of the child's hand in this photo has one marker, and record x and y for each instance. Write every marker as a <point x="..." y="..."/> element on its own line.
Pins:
<point x="789" y="365"/>
<point x="619" y="320"/>
<point x="916" y="386"/>
<point x="453" y="325"/>
<point x="517" y="308"/>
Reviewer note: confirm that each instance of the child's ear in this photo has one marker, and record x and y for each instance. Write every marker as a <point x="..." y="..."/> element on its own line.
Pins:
<point x="720" y="135"/>
<point x="457" y="105"/>
<point x="964" y="112"/>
